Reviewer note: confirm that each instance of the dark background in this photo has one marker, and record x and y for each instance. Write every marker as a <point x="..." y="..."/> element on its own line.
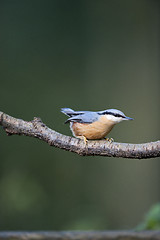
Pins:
<point x="87" y="55"/>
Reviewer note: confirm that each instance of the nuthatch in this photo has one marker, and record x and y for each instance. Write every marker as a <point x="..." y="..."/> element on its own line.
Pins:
<point x="93" y="125"/>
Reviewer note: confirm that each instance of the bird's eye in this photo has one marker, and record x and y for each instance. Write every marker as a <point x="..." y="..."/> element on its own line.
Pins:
<point x="118" y="115"/>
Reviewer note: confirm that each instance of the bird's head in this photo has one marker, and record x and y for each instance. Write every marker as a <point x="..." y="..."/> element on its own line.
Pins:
<point x="114" y="115"/>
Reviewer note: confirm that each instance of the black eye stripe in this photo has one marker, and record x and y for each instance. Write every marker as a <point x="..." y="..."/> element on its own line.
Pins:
<point x="117" y="115"/>
<point x="111" y="113"/>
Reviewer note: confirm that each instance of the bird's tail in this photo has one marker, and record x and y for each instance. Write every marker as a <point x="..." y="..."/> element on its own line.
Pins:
<point x="68" y="111"/>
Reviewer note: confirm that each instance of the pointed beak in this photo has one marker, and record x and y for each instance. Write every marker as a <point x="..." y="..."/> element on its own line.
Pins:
<point x="128" y="118"/>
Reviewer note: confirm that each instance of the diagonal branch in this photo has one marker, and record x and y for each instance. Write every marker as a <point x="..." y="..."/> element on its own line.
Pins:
<point x="36" y="128"/>
<point x="81" y="235"/>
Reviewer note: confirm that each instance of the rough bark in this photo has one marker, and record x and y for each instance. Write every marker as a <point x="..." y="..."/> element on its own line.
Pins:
<point x="36" y="128"/>
<point x="81" y="235"/>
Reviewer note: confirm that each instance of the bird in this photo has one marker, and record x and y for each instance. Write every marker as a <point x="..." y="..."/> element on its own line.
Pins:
<point x="89" y="125"/>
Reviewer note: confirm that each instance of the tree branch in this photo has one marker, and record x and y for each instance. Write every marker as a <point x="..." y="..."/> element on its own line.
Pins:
<point x="36" y="128"/>
<point x="81" y="235"/>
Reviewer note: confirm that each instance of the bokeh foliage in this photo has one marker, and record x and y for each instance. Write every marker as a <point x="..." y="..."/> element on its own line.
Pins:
<point x="87" y="55"/>
<point x="152" y="219"/>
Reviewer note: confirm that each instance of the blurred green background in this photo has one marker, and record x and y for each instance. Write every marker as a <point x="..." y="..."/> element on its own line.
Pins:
<point x="87" y="55"/>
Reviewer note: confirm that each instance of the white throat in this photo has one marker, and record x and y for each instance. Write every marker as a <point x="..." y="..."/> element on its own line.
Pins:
<point x="113" y="118"/>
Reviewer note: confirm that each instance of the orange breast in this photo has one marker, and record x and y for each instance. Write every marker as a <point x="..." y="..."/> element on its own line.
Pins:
<point x="95" y="130"/>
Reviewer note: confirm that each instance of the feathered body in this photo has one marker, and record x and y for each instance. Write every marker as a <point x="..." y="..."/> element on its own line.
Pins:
<point x="95" y="130"/>
<point x="93" y="125"/>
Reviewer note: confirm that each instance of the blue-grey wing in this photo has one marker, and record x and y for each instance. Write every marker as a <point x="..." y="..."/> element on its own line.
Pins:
<point x="87" y="117"/>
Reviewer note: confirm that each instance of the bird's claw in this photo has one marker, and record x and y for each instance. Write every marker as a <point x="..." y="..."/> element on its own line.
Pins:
<point x="84" y="139"/>
<point x="110" y="140"/>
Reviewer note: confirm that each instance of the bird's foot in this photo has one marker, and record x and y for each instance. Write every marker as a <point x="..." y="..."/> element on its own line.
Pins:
<point x="110" y="140"/>
<point x="83" y="138"/>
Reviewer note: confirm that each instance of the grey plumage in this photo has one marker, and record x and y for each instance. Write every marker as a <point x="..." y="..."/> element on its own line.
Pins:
<point x="114" y="112"/>
<point x="90" y="117"/>
<point x="80" y="116"/>
<point x="96" y="124"/>
<point x="70" y="112"/>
